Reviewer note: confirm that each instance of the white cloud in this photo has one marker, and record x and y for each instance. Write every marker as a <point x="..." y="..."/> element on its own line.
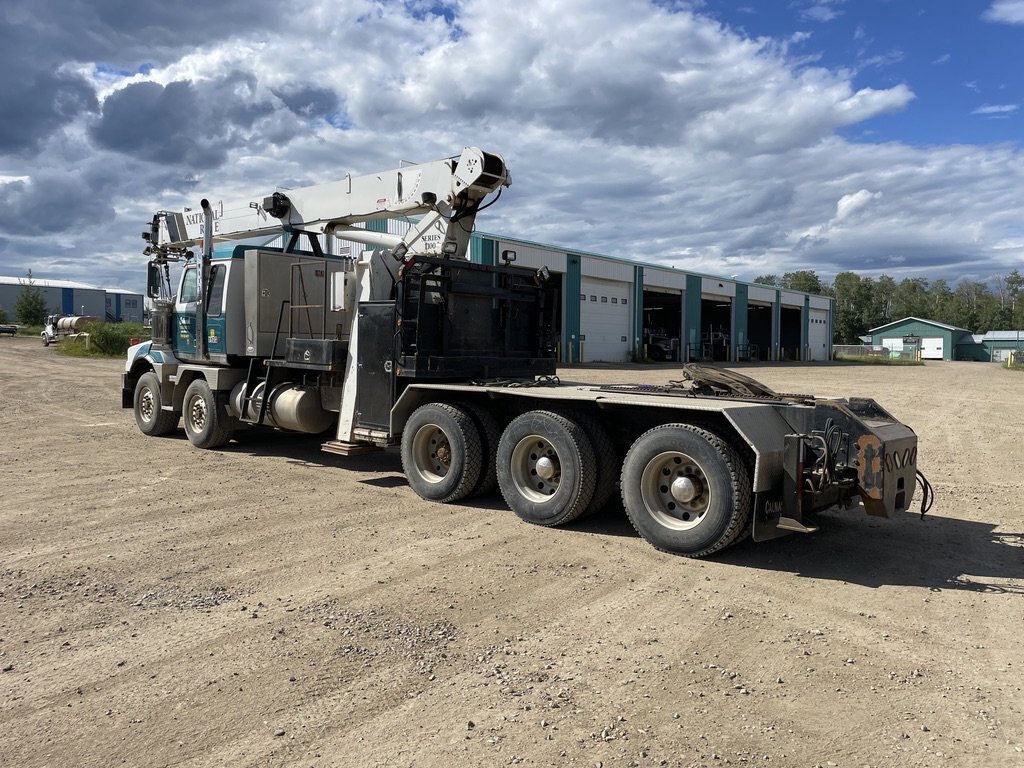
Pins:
<point x="1005" y="12"/>
<point x="996" y="109"/>
<point x="630" y="130"/>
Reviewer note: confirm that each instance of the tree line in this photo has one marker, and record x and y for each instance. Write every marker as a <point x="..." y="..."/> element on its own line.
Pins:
<point x="863" y="303"/>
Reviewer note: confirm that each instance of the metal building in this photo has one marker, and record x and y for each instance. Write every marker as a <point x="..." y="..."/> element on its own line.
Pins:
<point x="65" y="297"/>
<point x="932" y="340"/>
<point x="126" y="306"/>
<point x="62" y="297"/>
<point x="616" y="309"/>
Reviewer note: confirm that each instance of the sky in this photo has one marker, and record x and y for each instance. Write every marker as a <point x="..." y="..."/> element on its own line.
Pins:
<point x="730" y="138"/>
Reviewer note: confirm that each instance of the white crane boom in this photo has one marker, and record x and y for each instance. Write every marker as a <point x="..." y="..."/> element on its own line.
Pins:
<point x="446" y="194"/>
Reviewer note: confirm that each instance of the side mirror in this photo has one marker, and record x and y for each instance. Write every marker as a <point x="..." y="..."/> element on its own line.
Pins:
<point x="153" y="281"/>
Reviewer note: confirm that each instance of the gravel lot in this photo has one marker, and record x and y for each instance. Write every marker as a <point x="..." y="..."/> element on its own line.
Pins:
<point x="270" y="604"/>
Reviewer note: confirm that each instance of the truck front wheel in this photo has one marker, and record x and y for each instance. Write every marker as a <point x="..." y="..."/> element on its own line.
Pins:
<point x="546" y="468"/>
<point x="151" y="418"/>
<point x="207" y="422"/>
<point x="686" y="490"/>
<point x="441" y="453"/>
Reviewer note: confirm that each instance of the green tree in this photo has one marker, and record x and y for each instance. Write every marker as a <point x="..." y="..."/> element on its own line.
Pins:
<point x="772" y="280"/>
<point x="849" y="312"/>
<point x="911" y="299"/>
<point x="941" y="303"/>
<point x="803" y="280"/>
<point x="30" y="306"/>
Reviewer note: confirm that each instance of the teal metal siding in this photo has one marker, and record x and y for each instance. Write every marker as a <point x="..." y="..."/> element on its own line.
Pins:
<point x="805" y="329"/>
<point x="571" y="301"/>
<point x="740" y="318"/>
<point x="691" y="315"/>
<point x="483" y="250"/>
<point x="776" y="326"/>
<point x="638" y="310"/>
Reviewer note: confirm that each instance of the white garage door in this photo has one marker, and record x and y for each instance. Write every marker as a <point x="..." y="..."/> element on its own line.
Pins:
<point x="604" y="320"/>
<point x="818" y="342"/>
<point x="896" y="344"/>
<point x="932" y="349"/>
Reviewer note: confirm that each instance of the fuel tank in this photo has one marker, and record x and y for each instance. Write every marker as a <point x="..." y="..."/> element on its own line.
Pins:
<point x="290" y="406"/>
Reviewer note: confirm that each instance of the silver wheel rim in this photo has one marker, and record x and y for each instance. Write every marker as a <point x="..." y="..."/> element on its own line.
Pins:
<point x="147" y="405"/>
<point x="675" y="491"/>
<point x="197" y="413"/>
<point x="431" y="453"/>
<point x="535" y="468"/>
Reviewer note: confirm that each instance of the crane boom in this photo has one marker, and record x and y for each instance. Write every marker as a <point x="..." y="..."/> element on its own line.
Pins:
<point x="446" y="194"/>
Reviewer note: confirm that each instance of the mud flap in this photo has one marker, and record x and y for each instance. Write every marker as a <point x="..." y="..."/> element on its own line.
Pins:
<point x="777" y="514"/>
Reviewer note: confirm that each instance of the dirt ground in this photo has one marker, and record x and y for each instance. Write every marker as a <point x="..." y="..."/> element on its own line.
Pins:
<point x="270" y="604"/>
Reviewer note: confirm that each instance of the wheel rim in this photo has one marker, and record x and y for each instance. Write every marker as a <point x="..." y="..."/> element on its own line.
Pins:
<point x="431" y="453"/>
<point x="197" y="414"/>
<point x="535" y="468"/>
<point x="147" y="405"/>
<point x="675" y="490"/>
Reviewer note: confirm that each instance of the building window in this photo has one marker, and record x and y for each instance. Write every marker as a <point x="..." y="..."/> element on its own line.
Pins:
<point x="623" y="301"/>
<point x="593" y="298"/>
<point x="604" y="299"/>
<point x="615" y="299"/>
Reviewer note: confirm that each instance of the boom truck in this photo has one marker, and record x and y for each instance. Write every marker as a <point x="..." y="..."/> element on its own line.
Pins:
<point x="410" y="344"/>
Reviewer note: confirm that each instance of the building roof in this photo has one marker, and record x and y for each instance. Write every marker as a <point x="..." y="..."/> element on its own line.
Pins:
<point x="917" y="320"/>
<point x="1002" y="336"/>
<point x="41" y="282"/>
<point x="122" y="291"/>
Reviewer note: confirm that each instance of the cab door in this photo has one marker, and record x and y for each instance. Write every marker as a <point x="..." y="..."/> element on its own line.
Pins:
<point x="185" y="329"/>
<point x="184" y="317"/>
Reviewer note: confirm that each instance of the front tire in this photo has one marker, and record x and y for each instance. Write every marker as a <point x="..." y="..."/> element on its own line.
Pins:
<point x="441" y="454"/>
<point x="546" y="468"/>
<point x="149" y="414"/>
<point x="207" y="421"/>
<point x="686" y="490"/>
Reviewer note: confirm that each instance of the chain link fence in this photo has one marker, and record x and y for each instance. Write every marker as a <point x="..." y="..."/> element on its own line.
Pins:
<point x="858" y="351"/>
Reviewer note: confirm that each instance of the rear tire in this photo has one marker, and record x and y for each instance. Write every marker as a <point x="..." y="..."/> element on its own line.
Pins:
<point x="490" y="435"/>
<point x="606" y="460"/>
<point x="686" y="490"/>
<point x="149" y="414"/>
<point x="207" y="421"/>
<point x="546" y="468"/>
<point x="441" y="454"/>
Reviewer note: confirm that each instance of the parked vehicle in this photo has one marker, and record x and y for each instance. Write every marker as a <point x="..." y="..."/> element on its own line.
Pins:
<point x="411" y="345"/>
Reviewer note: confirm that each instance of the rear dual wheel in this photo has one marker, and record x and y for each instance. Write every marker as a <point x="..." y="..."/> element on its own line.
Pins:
<point x="686" y="490"/>
<point x="441" y="452"/>
<point x="546" y="468"/>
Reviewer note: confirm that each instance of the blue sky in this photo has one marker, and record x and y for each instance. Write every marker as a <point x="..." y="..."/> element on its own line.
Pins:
<point x="726" y="138"/>
<point x="960" y="58"/>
